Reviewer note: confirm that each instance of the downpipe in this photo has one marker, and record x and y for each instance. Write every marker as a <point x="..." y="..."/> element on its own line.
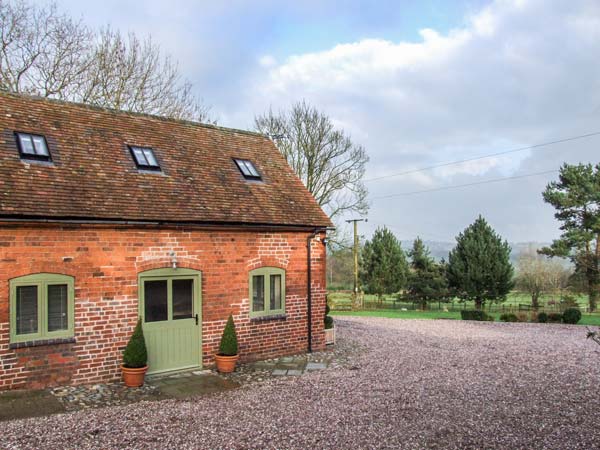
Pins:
<point x="309" y="240"/>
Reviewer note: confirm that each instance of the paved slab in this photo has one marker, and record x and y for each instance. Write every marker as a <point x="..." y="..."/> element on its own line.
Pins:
<point x="178" y="386"/>
<point x="288" y="365"/>
<point x="20" y="404"/>
<point x="316" y="366"/>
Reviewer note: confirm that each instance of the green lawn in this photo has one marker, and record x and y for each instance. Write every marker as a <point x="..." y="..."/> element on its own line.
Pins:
<point x="395" y="314"/>
<point x="590" y="319"/>
<point x="587" y="319"/>
<point x="342" y="301"/>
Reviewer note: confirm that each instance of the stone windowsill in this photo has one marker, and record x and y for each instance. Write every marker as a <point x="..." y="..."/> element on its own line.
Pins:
<point x="267" y="318"/>
<point x="41" y="342"/>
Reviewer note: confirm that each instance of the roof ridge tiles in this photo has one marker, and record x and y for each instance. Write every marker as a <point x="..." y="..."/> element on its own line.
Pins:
<point x="130" y="113"/>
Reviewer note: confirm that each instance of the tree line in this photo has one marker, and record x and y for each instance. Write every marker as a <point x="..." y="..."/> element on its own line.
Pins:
<point x="479" y="269"/>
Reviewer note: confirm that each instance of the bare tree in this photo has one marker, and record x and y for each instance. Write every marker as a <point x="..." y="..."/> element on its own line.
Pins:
<point x="537" y="275"/>
<point x="131" y="74"/>
<point x="326" y="160"/>
<point x="46" y="53"/>
<point x="43" y="52"/>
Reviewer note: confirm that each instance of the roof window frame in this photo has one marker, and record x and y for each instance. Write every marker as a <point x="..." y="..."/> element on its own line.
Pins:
<point x="37" y="155"/>
<point x="148" y="166"/>
<point x="248" y="169"/>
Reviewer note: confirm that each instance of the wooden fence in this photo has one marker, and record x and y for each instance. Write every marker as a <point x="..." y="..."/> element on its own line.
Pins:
<point x="455" y="306"/>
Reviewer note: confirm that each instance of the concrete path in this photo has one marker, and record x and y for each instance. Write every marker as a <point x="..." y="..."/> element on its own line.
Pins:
<point x="200" y="382"/>
<point x="194" y="383"/>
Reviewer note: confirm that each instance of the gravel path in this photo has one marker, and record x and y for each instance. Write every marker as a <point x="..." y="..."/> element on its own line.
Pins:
<point x="417" y="384"/>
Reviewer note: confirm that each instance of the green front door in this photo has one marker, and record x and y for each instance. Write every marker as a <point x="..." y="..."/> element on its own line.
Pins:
<point x="170" y="307"/>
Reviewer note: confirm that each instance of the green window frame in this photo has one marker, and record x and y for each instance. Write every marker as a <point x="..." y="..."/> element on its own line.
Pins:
<point x="43" y="288"/>
<point x="267" y="291"/>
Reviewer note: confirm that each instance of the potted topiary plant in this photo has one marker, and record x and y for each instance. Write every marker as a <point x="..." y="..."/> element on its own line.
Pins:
<point x="228" y="348"/>
<point x="329" y="327"/>
<point x="135" y="358"/>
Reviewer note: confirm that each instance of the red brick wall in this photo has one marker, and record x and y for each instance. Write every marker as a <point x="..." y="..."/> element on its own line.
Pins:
<point x="105" y="263"/>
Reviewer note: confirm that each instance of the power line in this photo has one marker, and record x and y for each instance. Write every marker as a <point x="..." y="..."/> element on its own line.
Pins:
<point x="477" y="158"/>
<point x="457" y="186"/>
<point x="426" y="237"/>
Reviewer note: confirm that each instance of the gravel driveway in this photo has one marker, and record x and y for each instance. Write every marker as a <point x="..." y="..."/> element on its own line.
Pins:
<point x="417" y="384"/>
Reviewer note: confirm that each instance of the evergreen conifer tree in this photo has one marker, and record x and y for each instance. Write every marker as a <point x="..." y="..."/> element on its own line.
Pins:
<point x="427" y="279"/>
<point x="384" y="266"/>
<point x="479" y="267"/>
<point x="576" y="198"/>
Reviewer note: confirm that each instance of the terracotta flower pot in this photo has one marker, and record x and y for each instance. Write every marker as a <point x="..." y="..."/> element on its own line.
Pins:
<point x="226" y="364"/>
<point x="330" y="336"/>
<point x="134" y="377"/>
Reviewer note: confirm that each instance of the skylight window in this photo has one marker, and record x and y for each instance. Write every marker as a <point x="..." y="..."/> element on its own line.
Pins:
<point x="247" y="169"/>
<point x="33" y="146"/>
<point x="144" y="158"/>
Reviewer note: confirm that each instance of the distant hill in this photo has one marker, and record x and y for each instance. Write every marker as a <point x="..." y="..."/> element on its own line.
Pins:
<point x="441" y="249"/>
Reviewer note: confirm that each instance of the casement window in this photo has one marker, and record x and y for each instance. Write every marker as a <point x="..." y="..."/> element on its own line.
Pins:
<point x="32" y="147"/>
<point x="144" y="158"/>
<point x="41" y="307"/>
<point x="247" y="168"/>
<point x="267" y="291"/>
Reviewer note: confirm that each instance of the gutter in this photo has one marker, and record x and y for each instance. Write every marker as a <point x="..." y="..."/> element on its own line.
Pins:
<point x="150" y="223"/>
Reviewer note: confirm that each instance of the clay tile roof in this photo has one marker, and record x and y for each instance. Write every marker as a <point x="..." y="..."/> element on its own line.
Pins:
<point x="93" y="174"/>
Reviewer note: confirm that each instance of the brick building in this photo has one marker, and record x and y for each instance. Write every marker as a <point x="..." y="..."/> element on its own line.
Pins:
<point x="107" y="216"/>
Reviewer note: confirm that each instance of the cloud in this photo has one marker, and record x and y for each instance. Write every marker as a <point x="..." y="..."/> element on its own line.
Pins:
<point x="267" y="61"/>
<point x="520" y="72"/>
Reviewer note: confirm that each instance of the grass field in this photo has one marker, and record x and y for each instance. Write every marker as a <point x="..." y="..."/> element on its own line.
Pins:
<point x="586" y="319"/>
<point x="342" y="300"/>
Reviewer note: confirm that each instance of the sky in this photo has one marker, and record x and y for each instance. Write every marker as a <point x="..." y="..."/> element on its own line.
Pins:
<point x="417" y="83"/>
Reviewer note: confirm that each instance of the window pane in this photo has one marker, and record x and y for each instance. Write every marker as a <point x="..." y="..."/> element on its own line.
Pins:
<point x="58" y="318"/>
<point x="27" y="309"/>
<point x="26" y="144"/>
<point x="183" y="299"/>
<point x="155" y="300"/>
<point x="40" y="145"/>
<point x="275" y="293"/>
<point x="150" y="157"/>
<point x="248" y="166"/>
<point x="252" y="169"/>
<point x="258" y="293"/>
<point x="242" y="166"/>
<point x="139" y="156"/>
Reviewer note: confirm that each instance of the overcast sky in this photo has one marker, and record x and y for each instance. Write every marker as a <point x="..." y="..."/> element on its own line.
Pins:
<point x="418" y="83"/>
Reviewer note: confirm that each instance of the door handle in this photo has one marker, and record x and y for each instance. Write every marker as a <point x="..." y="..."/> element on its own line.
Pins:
<point x="196" y="317"/>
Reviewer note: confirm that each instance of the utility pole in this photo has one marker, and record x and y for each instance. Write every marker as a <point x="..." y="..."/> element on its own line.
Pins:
<point x="356" y="298"/>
